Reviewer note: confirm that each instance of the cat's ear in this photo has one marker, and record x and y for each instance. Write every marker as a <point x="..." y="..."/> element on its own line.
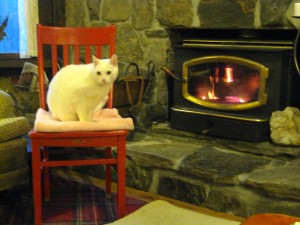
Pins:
<point x="114" y="60"/>
<point x="95" y="60"/>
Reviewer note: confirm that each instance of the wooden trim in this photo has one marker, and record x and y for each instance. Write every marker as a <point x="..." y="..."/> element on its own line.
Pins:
<point x="15" y="63"/>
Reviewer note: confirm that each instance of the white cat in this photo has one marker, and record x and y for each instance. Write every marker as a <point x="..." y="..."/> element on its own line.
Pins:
<point x="77" y="91"/>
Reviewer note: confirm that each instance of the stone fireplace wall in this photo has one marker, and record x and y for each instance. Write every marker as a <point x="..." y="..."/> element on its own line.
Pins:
<point x="142" y="25"/>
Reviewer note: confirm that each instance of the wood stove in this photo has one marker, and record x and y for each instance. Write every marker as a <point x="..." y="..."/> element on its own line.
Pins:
<point x="230" y="81"/>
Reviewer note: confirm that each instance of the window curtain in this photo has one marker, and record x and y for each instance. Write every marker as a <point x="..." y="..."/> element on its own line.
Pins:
<point x="28" y="19"/>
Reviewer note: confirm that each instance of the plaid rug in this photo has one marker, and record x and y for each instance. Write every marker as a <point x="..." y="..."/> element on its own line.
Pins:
<point x="71" y="203"/>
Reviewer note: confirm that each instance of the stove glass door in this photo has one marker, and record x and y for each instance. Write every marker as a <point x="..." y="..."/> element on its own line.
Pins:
<point x="225" y="82"/>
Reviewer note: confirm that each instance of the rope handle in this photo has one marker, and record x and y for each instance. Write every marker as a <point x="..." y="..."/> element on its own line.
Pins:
<point x="136" y="68"/>
<point x="141" y="91"/>
<point x="127" y="79"/>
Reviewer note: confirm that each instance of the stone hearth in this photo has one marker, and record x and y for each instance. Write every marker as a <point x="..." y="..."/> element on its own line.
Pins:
<point x="235" y="177"/>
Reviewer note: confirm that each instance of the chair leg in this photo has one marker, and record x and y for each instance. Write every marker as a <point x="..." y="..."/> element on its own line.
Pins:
<point x="36" y="182"/>
<point x="46" y="174"/>
<point x="108" y="173"/>
<point x="121" y="177"/>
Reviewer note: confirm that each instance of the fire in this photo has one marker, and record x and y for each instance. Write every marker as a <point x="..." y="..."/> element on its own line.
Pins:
<point x="226" y="84"/>
<point x="234" y="99"/>
<point x="211" y="95"/>
<point x="228" y="79"/>
<point x="217" y="70"/>
<point x="229" y="74"/>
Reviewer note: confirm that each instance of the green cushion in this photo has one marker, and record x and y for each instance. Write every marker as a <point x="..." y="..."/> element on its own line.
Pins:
<point x="13" y="178"/>
<point x="13" y="127"/>
<point x="13" y="155"/>
<point x="7" y="108"/>
<point x="7" y="86"/>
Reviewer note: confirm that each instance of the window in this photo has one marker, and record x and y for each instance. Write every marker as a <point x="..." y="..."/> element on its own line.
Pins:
<point x="9" y="27"/>
<point x="18" y="19"/>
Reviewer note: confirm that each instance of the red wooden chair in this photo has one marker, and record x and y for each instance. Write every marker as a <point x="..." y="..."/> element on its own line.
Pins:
<point x="271" y="219"/>
<point x="41" y="141"/>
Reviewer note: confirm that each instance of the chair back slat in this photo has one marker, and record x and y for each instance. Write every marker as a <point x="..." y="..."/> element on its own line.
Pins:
<point x="88" y="54"/>
<point x="65" y="55"/>
<point x="76" y="54"/>
<point x="54" y="59"/>
<point x="99" y="50"/>
<point x="77" y="44"/>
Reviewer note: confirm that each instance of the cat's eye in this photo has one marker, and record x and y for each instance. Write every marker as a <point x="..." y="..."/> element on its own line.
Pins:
<point x="108" y="72"/>
<point x="98" y="73"/>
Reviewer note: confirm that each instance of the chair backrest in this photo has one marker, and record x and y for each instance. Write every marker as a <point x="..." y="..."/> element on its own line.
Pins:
<point x="72" y="45"/>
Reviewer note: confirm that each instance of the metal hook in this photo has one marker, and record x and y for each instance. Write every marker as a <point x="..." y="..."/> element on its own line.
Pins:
<point x="151" y="69"/>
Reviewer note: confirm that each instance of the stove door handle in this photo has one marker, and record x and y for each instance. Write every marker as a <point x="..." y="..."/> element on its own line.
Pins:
<point x="171" y="74"/>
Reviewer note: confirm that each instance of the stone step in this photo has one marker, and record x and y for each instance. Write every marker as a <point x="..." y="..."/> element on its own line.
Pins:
<point x="225" y="175"/>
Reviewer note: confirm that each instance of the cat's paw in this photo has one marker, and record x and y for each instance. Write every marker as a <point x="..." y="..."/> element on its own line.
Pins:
<point x="105" y="99"/>
<point x="101" y="104"/>
<point x="106" y="113"/>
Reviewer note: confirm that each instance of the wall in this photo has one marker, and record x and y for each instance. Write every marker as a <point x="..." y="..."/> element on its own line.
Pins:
<point x="141" y="23"/>
<point x="142" y="36"/>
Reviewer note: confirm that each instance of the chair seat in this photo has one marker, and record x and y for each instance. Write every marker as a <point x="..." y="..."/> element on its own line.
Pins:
<point x="79" y="139"/>
<point x="77" y="134"/>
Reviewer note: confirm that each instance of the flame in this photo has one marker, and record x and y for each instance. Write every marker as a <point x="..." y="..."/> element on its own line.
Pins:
<point x="229" y="74"/>
<point x="211" y="94"/>
<point x="234" y="99"/>
<point x="227" y="87"/>
<point x="217" y="70"/>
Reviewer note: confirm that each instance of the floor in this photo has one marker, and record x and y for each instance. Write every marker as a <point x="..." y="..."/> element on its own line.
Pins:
<point x="146" y="196"/>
